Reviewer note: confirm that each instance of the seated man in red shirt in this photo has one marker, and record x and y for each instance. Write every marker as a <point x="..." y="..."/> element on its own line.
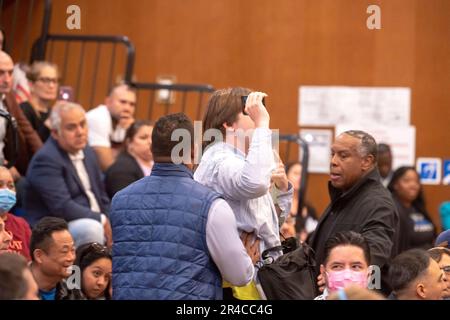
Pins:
<point x="16" y="226"/>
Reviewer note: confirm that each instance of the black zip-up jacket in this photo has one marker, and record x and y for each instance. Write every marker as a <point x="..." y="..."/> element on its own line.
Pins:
<point x="366" y="208"/>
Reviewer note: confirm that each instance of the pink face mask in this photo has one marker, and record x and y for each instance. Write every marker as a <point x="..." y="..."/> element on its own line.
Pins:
<point x="341" y="279"/>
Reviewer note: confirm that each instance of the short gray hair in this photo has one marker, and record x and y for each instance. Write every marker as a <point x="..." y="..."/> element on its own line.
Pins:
<point x="368" y="145"/>
<point x="60" y="107"/>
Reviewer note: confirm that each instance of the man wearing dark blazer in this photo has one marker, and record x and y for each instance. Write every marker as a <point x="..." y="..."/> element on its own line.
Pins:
<point x="29" y="141"/>
<point x="64" y="179"/>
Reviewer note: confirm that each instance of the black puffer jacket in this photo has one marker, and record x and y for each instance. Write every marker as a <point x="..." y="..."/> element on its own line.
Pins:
<point x="367" y="208"/>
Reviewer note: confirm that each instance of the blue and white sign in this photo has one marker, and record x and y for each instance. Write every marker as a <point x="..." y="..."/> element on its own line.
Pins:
<point x="446" y="172"/>
<point x="429" y="170"/>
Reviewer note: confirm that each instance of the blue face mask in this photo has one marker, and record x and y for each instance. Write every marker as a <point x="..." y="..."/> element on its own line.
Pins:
<point x="7" y="200"/>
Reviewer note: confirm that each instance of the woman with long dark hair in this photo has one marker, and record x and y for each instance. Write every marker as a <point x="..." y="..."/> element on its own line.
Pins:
<point x="416" y="227"/>
<point x="135" y="162"/>
<point x="95" y="263"/>
<point x="306" y="221"/>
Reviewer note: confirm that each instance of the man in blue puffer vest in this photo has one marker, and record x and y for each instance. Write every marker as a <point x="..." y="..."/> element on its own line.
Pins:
<point x="173" y="237"/>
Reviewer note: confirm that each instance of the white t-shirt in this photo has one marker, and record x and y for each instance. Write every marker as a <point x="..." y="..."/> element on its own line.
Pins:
<point x="101" y="129"/>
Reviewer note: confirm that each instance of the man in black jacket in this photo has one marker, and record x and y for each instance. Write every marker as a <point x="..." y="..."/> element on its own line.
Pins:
<point x="359" y="202"/>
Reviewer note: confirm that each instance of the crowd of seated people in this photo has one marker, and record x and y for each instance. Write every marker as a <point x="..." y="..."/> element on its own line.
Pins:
<point x="87" y="182"/>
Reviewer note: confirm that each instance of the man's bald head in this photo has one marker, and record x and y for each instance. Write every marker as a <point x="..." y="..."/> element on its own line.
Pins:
<point x="6" y="69"/>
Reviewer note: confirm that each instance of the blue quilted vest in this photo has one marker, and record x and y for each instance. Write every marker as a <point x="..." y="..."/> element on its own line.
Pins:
<point x="159" y="234"/>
